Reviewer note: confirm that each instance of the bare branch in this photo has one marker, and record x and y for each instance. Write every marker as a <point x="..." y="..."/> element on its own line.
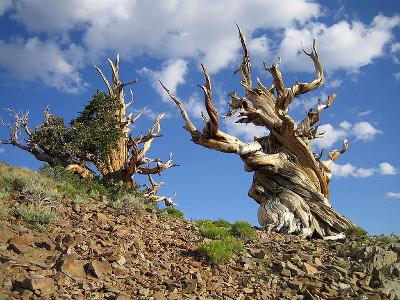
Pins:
<point x="158" y="168"/>
<point x="189" y="125"/>
<point x="326" y="165"/>
<point x="245" y="67"/>
<point x="110" y="90"/>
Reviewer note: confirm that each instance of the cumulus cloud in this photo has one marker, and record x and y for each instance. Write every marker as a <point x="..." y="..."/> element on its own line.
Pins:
<point x="192" y="30"/>
<point x="347" y="46"/>
<point x="245" y="132"/>
<point x="387" y="169"/>
<point x="34" y="59"/>
<point x="393" y="195"/>
<point x="172" y="74"/>
<point x="350" y="170"/>
<point x="4" y="5"/>
<point x="364" y="131"/>
<point x="360" y="131"/>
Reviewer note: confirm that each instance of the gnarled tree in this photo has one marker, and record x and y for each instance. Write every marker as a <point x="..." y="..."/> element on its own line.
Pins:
<point x="100" y="135"/>
<point x="290" y="183"/>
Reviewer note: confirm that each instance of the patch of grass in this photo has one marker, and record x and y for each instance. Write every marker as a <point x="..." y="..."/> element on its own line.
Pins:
<point x="35" y="218"/>
<point x="384" y="239"/>
<point x="213" y="232"/>
<point x="172" y="212"/>
<point x="242" y="229"/>
<point x="355" y="232"/>
<point x="222" y="223"/>
<point x="220" y="251"/>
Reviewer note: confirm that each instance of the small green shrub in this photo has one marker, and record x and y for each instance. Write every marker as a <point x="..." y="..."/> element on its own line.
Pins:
<point x="173" y="212"/>
<point x="355" y="232"/>
<point x="384" y="239"/>
<point x="202" y="223"/>
<point x="36" y="219"/>
<point x="222" y="223"/>
<point x="213" y="232"/>
<point x="215" y="252"/>
<point x="220" y="251"/>
<point x="242" y="229"/>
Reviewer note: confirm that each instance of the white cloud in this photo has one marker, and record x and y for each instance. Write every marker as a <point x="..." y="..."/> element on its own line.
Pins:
<point x="199" y="30"/>
<point x="171" y="29"/>
<point x="397" y="75"/>
<point x="343" y="170"/>
<point x="344" y="45"/>
<point x="387" y="169"/>
<point x="361" y="131"/>
<point x="362" y="172"/>
<point x="33" y="59"/>
<point x="393" y="195"/>
<point x="364" y="113"/>
<point x="364" y="131"/>
<point x="332" y="135"/>
<point x="395" y="48"/>
<point x="4" y="5"/>
<point x="2" y="150"/>
<point x="195" y="106"/>
<point x="244" y="131"/>
<point x="172" y="74"/>
<point x="350" y="170"/>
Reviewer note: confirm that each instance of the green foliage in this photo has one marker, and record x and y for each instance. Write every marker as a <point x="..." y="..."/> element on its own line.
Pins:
<point x="35" y="218"/>
<point x="224" y="244"/>
<point x="242" y="229"/>
<point x="355" y="232"/>
<point x="222" y="223"/>
<point x="173" y="212"/>
<point x="53" y="137"/>
<point x="215" y="252"/>
<point x="384" y="239"/>
<point x="219" y="251"/>
<point x="73" y="186"/>
<point x="213" y="232"/>
<point x="96" y="130"/>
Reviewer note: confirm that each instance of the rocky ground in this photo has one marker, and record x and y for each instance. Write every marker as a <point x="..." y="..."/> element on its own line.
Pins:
<point x="94" y="251"/>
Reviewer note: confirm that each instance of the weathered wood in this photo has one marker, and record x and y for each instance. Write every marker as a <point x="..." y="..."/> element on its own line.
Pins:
<point x="289" y="183"/>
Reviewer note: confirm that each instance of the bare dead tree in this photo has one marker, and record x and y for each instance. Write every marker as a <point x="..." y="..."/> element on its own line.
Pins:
<point x="289" y="182"/>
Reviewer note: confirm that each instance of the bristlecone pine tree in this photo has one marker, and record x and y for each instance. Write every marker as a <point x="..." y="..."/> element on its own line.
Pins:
<point x="99" y="135"/>
<point x="290" y="183"/>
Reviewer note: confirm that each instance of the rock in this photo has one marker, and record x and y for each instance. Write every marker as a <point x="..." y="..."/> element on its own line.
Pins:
<point x="308" y="269"/>
<point x="383" y="259"/>
<point x="395" y="269"/>
<point x="394" y="287"/>
<point x="294" y="269"/>
<point x="19" y="248"/>
<point x="191" y="287"/>
<point x="22" y="240"/>
<point x="38" y="283"/>
<point x="257" y="253"/>
<point x="100" y="268"/>
<point x="46" y="244"/>
<point x="72" y="268"/>
<point x="123" y="296"/>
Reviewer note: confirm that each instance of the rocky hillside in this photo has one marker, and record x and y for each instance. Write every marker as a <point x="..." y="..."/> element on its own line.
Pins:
<point x="97" y="250"/>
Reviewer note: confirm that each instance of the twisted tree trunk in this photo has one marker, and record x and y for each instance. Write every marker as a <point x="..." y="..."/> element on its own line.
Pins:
<point x="290" y="183"/>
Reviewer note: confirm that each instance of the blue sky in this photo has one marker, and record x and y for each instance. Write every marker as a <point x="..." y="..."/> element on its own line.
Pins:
<point x="47" y="49"/>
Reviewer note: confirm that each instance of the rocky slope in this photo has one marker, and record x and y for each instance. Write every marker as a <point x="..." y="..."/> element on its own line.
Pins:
<point x="94" y="251"/>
